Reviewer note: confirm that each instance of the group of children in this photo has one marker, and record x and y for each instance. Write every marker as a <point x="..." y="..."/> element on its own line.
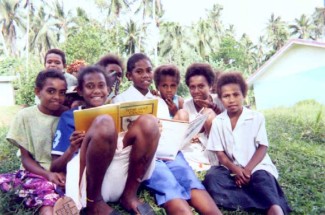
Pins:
<point x="101" y="165"/>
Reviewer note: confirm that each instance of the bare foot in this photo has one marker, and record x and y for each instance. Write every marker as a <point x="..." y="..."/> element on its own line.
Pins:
<point x="130" y="204"/>
<point x="98" y="208"/>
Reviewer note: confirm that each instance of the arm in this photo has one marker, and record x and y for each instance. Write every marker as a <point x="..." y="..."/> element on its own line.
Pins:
<point x="180" y="102"/>
<point x="32" y="166"/>
<point x="240" y="177"/>
<point x="256" y="159"/>
<point x="59" y="163"/>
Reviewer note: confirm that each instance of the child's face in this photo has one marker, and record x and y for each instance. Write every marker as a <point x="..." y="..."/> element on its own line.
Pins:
<point x="232" y="98"/>
<point x="52" y="95"/>
<point x="199" y="87"/>
<point x="54" y="61"/>
<point x="109" y="69"/>
<point x="141" y="76"/>
<point x="167" y="86"/>
<point x="94" y="89"/>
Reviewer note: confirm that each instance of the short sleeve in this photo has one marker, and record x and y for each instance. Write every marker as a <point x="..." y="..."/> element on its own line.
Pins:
<point x="17" y="132"/>
<point x="65" y="128"/>
<point x="261" y="136"/>
<point x="214" y="141"/>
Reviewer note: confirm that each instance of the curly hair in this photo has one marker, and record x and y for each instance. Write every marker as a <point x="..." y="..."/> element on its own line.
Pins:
<point x="232" y="78"/>
<point x="164" y="70"/>
<point x="203" y="69"/>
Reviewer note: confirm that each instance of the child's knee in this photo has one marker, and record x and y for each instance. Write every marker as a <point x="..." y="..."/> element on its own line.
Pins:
<point x="149" y="124"/>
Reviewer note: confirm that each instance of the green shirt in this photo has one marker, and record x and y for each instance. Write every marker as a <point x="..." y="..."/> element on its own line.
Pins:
<point x="34" y="131"/>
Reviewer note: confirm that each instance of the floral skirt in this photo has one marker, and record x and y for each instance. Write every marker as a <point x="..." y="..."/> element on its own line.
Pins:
<point x="35" y="190"/>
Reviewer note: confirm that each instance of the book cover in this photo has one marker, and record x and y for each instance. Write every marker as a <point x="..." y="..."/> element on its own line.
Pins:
<point x="122" y="113"/>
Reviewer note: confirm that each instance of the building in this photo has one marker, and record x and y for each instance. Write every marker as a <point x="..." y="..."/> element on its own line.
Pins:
<point x="295" y="73"/>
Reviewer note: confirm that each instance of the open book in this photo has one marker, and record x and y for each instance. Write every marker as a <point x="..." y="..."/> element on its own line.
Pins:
<point x="122" y="113"/>
<point x="176" y="134"/>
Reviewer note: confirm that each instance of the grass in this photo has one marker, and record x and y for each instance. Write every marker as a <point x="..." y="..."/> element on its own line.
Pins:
<point x="297" y="146"/>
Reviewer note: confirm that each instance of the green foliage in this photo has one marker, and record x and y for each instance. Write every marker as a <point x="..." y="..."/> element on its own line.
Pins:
<point x="25" y="84"/>
<point x="91" y="41"/>
<point x="11" y="66"/>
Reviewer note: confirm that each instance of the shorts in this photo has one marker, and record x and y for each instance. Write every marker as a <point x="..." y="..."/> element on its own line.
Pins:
<point x="173" y="180"/>
<point x="113" y="183"/>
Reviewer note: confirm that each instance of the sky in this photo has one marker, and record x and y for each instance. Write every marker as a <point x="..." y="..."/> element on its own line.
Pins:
<point x="248" y="16"/>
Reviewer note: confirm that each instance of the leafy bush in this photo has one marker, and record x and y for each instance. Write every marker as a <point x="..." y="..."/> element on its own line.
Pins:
<point x="25" y="84"/>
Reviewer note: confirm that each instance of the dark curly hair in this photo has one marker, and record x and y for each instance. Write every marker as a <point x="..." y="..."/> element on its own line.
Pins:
<point x="203" y="69"/>
<point x="110" y="59"/>
<point x="164" y="70"/>
<point x="232" y="78"/>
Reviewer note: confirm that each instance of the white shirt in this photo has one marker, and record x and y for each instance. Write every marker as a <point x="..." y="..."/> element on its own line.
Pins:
<point x="132" y="94"/>
<point x="241" y="143"/>
<point x="195" y="153"/>
<point x="190" y="107"/>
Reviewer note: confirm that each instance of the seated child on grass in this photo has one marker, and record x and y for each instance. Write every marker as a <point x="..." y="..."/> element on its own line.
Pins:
<point x="245" y="176"/>
<point x="109" y="166"/>
<point x="32" y="132"/>
<point x="174" y="183"/>
<point x="199" y="78"/>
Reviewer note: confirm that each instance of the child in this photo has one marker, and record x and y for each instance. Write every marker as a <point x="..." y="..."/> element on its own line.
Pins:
<point x="32" y="132"/>
<point x="167" y="79"/>
<point x="108" y="168"/>
<point x="174" y="182"/>
<point x="246" y="176"/>
<point x="55" y="59"/>
<point x="114" y="68"/>
<point x="199" y="78"/>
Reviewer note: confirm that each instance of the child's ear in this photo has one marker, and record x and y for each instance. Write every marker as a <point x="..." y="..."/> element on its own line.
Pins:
<point x="128" y="76"/>
<point x="37" y="91"/>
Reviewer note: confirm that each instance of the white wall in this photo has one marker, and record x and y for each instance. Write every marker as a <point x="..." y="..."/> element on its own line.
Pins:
<point x="299" y="74"/>
<point x="7" y="91"/>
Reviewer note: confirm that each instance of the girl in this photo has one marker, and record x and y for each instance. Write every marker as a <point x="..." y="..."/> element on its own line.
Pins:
<point x="246" y="176"/>
<point x="199" y="78"/>
<point x="174" y="183"/>
<point x="109" y="168"/>
<point x="167" y="79"/>
<point x="32" y="132"/>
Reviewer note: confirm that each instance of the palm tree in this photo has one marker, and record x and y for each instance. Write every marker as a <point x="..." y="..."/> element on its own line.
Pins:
<point x="43" y="31"/>
<point x="203" y="35"/>
<point x="277" y="32"/>
<point x="64" y="20"/>
<point x="319" y="22"/>
<point x="173" y="38"/>
<point x="11" y="19"/>
<point x="133" y="41"/>
<point x="302" y="28"/>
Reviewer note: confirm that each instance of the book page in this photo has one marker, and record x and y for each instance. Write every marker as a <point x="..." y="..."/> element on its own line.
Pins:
<point x="129" y="111"/>
<point x="176" y="134"/>
<point x="171" y="137"/>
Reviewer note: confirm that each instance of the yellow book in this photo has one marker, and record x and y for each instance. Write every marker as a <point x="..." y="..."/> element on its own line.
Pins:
<point x="122" y="113"/>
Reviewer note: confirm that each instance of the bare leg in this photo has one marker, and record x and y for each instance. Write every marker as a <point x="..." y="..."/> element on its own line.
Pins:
<point x="275" y="210"/>
<point x="46" y="210"/>
<point x="143" y="136"/>
<point x="203" y="203"/>
<point x="177" y="207"/>
<point x="98" y="147"/>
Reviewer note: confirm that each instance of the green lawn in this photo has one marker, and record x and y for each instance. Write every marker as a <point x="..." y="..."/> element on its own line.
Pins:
<point x="297" y="146"/>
